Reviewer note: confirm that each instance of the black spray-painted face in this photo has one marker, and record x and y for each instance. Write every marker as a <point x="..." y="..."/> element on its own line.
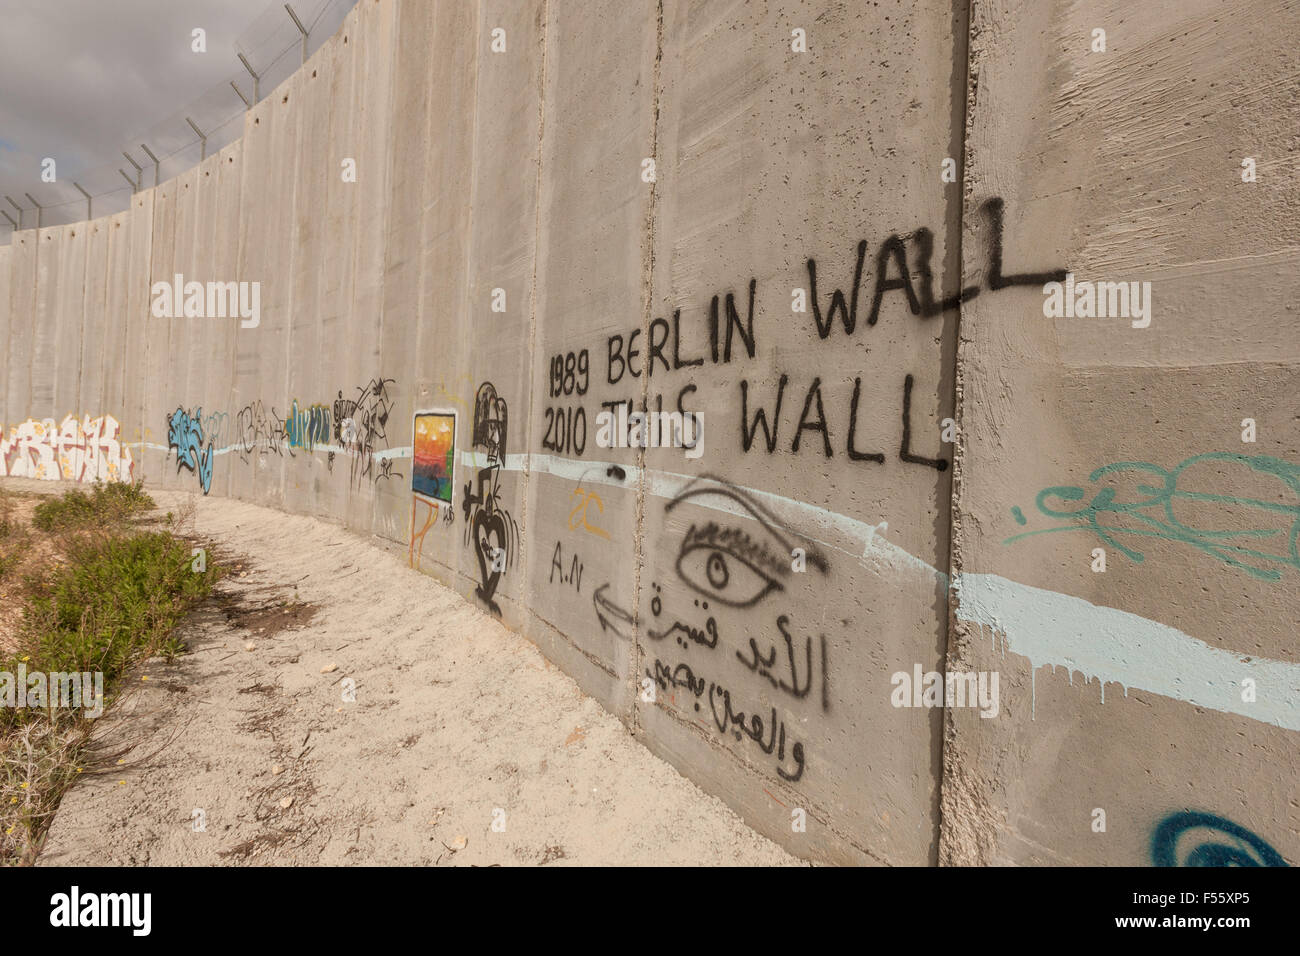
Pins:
<point x="490" y="418"/>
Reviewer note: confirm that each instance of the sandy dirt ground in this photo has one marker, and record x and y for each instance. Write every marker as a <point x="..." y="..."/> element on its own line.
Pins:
<point x="245" y="752"/>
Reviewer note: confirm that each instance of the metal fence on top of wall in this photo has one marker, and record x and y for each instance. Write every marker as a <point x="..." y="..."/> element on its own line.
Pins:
<point x="275" y="44"/>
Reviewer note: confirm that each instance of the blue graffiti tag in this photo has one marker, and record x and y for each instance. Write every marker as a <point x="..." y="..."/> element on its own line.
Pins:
<point x="307" y="427"/>
<point x="1227" y="845"/>
<point x="1161" y="505"/>
<point x="185" y="436"/>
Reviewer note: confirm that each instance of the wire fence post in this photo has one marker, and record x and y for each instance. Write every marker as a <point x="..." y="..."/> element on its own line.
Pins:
<point x="210" y="116"/>
<point x="301" y="29"/>
<point x="244" y="60"/>
<point x="138" y="170"/>
<point x="38" y="208"/>
<point x="19" y="208"/>
<point x="203" y="149"/>
<point x="89" y="214"/>
<point x="156" y="163"/>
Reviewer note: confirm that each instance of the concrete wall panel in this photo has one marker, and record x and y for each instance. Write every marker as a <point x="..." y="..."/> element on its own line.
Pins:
<point x="308" y="395"/>
<point x="182" y="380"/>
<point x="113" y="311"/>
<point x="340" y="202"/>
<point x="160" y="339"/>
<point x="66" y="321"/>
<point x="45" y="320"/>
<point x="365" y="386"/>
<point x="22" y="314"/>
<point x="425" y="298"/>
<point x="1121" y="436"/>
<point x="592" y="261"/>
<point x="95" y="321"/>
<point x="850" y="230"/>
<point x="140" y="332"/>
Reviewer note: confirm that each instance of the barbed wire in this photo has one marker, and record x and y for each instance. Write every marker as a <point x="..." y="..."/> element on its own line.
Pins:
<point x="267" y="52"/>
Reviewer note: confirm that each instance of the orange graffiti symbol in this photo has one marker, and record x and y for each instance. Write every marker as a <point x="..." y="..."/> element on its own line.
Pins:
<point x="418" y="536"/>
<point x="587" y="497"/>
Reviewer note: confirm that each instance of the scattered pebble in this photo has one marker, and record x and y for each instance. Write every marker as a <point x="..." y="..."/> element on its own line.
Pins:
<point x="286" y="803"/>
<point x="276" y="769"/>
<point x="329" y="668"/>
<point x="459" y="843"/>
<point x="250" y="646"/>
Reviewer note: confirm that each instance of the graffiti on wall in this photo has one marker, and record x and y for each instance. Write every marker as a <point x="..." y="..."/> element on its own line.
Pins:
<point x="258" y="431"/>
<point x="308" y="426"/>
<point x="216" y="426"/>
<point x="434" y="455"/>
<point x="77" y="450"/>
<point x="1256" y="529"/>
<point x="1189" y="838"/>
<point x="732" y="566"/>
<point x="488" y="525"/>
<point x="727" y="630"/>
<point x="611" y="616"/>
<point x="425" y="516"/>
<point x="260" y="428"/>
<point x="361" y="429"/>
<point x="354" y="426"/>
<point x="433" y="475"/>
<point x="582" y="517"/>
<point x="185" y="437"/>
<point x="776" y="413"/>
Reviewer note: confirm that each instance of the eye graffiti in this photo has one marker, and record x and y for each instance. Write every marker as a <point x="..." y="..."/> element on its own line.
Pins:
<point x="729" y="566"/>
<point x="733" y="564"/>
<point x="724" y="562"/>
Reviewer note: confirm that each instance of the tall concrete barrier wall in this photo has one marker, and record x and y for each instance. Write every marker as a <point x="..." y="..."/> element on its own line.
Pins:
<point x="964" y="566"/>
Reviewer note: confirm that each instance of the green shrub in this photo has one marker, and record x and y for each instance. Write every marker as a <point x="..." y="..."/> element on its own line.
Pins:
<point x="107" y="502"/>
<point x="113" y="601"/>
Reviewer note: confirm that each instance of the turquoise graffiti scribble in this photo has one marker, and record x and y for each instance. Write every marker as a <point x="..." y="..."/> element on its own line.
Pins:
<point x="1154" y="516"/>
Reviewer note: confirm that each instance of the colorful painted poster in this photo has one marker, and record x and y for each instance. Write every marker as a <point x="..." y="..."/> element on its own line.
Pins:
<point x="435" y="455"/>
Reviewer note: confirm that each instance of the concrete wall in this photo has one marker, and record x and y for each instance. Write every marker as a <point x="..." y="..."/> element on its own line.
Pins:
<point x="889" y="416"/>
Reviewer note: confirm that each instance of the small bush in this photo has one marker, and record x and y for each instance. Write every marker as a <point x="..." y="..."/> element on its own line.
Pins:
<point x="114" y="603"/>
<point x="110" y="599"/>
<point x="107" y="502"/>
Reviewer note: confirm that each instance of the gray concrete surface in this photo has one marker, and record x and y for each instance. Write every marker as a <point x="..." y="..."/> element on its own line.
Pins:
<point x="746" y="613"/>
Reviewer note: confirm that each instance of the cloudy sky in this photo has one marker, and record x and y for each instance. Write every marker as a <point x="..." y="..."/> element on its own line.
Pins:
<point x="81" y="80"/>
